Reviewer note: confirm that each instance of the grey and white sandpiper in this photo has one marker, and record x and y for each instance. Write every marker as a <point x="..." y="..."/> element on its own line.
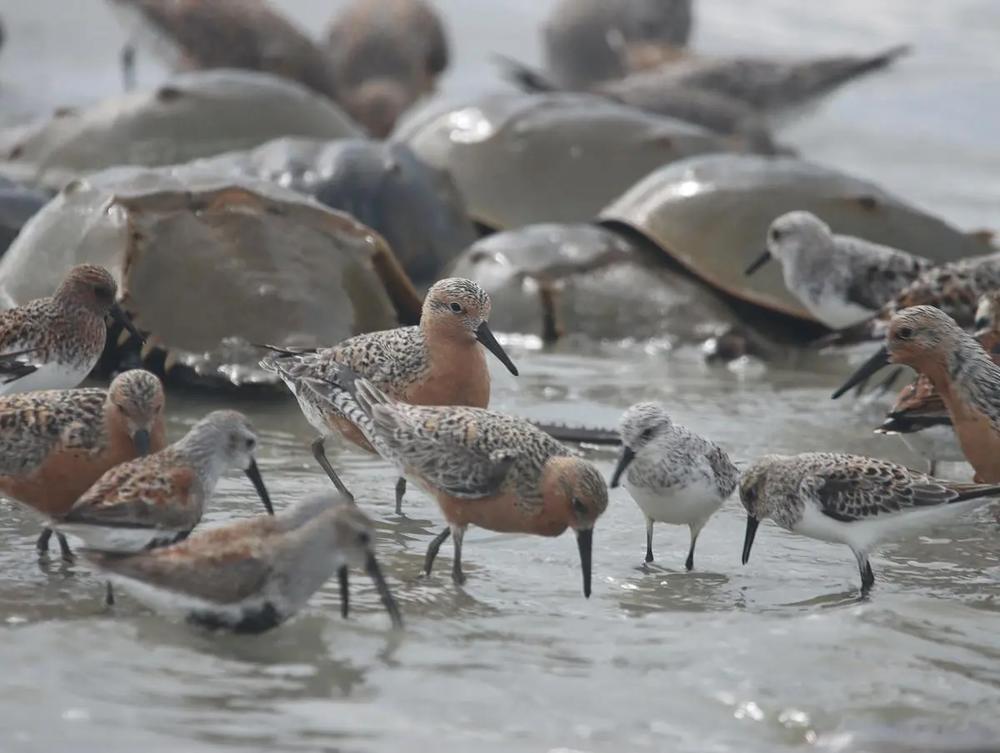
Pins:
<point x="840" y="279"/>
<point x="853" y="500"/>
<point x="674" y="475"/>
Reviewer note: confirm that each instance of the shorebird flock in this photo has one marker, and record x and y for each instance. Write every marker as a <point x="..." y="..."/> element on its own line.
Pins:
<point x="95" y="465"/>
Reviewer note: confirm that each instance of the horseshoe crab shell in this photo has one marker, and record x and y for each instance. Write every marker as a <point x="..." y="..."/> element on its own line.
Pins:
<point x="192" y="115"/>
<point x="17" y="205"/>
<point x="554" y="157"/>
<point x="209" y="265"/>
<point x="588" y="280"/>
<point x="711" y="214"/>
<point x="416" y="208"/>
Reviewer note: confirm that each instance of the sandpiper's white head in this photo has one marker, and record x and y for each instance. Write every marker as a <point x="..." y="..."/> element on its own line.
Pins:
<point x="640" y="427"/>
<point x="798" y="238"/>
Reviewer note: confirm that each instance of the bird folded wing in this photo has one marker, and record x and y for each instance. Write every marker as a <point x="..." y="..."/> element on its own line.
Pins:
<point x="861" y="495"/>
<point x="140" y="495"/>
<point x="222" y="570"/>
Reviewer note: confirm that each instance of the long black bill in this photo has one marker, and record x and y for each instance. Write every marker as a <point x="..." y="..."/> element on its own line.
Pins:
<point x="345" y="591"/>
<point x="141" y="442"/>
<point x="253" y="473"/>
<point x="585" y="543"/>
<point x="485" y="336"/>
<point x="119" y="315"/>
<point x="869" y="367"/>
<point x="627" y="456"/>
<point x="375" y="572"/>
<point x="757" y="263"/>
<point x="752" y="524"/>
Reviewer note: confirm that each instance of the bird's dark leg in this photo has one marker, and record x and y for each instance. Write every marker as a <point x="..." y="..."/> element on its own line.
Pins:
<point x="457" y="575"/>
<point x="552" y="330"/>
<point x="649" y="540"/>
<point x="932" y="466"/>
<point x="319" y="452"/>
<point x="64" y="550"/>
<point x="865" y="569"/>
<point x="128" y="66"/>
<point x="42" y="545"/>
<point x="109" y="594"/>
<point x="432" y="549"/>
<point x="400" y="491"/>
<point x="689" y="562"/>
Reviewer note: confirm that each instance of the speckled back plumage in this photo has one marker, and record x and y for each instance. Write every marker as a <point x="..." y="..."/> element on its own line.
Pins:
<point x="954" y="288"/>
<point x="32" y="424"/>
<point x="844" y="487"/>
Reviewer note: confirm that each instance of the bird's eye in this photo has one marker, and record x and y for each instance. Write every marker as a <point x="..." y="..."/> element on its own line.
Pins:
<point x="905" y="333"/>
<point x="647" y="434"/>
<point x="250" y="444"/>
<point x="775" y="234"/>
<point x="578" y="507"/>
<point x="103" y="292"/>
<point x="456" y="307"/>
<point x="364" y="538"/>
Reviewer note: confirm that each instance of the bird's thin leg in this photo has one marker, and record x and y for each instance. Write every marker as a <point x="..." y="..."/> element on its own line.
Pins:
<point x="400" y="491"/>
<point x="457" y="534"/>
<point x="432" y="549"/>
<point x="109" y="594"/>
<point x="689" y="562"/>
<point x="64" y="550"/>
<point x="42" y="545"/>
<point x="649" y="540"/>
<point x="319" y="452"/>
<point x="128" y="66"/>
<point x="865" y="569"/>
<point x="932" y="466"/>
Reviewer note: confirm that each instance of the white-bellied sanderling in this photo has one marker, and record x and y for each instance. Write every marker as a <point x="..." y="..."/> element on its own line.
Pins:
<point x="852" y="500"/>
<point x="674" y="475"/>
<point x="840" y="279"/>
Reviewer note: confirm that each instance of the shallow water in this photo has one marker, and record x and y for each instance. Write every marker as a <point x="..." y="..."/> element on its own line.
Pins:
<point x="774" y="656"/>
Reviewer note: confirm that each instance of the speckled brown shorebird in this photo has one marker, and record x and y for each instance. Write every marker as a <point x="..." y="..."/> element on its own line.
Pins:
<point x="385" y="54"/>
<point x="484" y="468"/>
<point x="53" y="343"/>
<point x="852" y="500"/>
<point x="252" y="575"/>
<point x="55" y="443"/>
<point x="438" y="362"/>
<point x="246" y="34"/>
<point x="928" y="340"/>
<point x="158" y="499"/>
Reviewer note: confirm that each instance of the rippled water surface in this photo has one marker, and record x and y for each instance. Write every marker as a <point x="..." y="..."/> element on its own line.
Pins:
<point x="778" y="655"/>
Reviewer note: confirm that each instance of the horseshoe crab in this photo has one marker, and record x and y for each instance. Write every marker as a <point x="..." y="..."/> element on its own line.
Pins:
<point x="574" y="277"/>
<point x="192" y="115"/>
<point x="416" y="208"/>
<point x="524" y="158"/>
<point x="711" y="215"/>
<point x="587" y="41"/>
<point x="246" y="34"/>
<point x="385" y="55"/>
<point x="208" y="265"/>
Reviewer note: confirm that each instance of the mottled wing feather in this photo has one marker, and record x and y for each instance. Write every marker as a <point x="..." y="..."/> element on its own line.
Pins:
<point x="222" y="566"/>
<point x="142" y="492"/>
<point x="32" y="424"/>
<point x="446" y="450"/>
<point x="861" y="491"/>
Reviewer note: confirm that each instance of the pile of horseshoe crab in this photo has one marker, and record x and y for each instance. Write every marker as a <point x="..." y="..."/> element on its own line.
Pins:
<point x="209" y="266"/>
